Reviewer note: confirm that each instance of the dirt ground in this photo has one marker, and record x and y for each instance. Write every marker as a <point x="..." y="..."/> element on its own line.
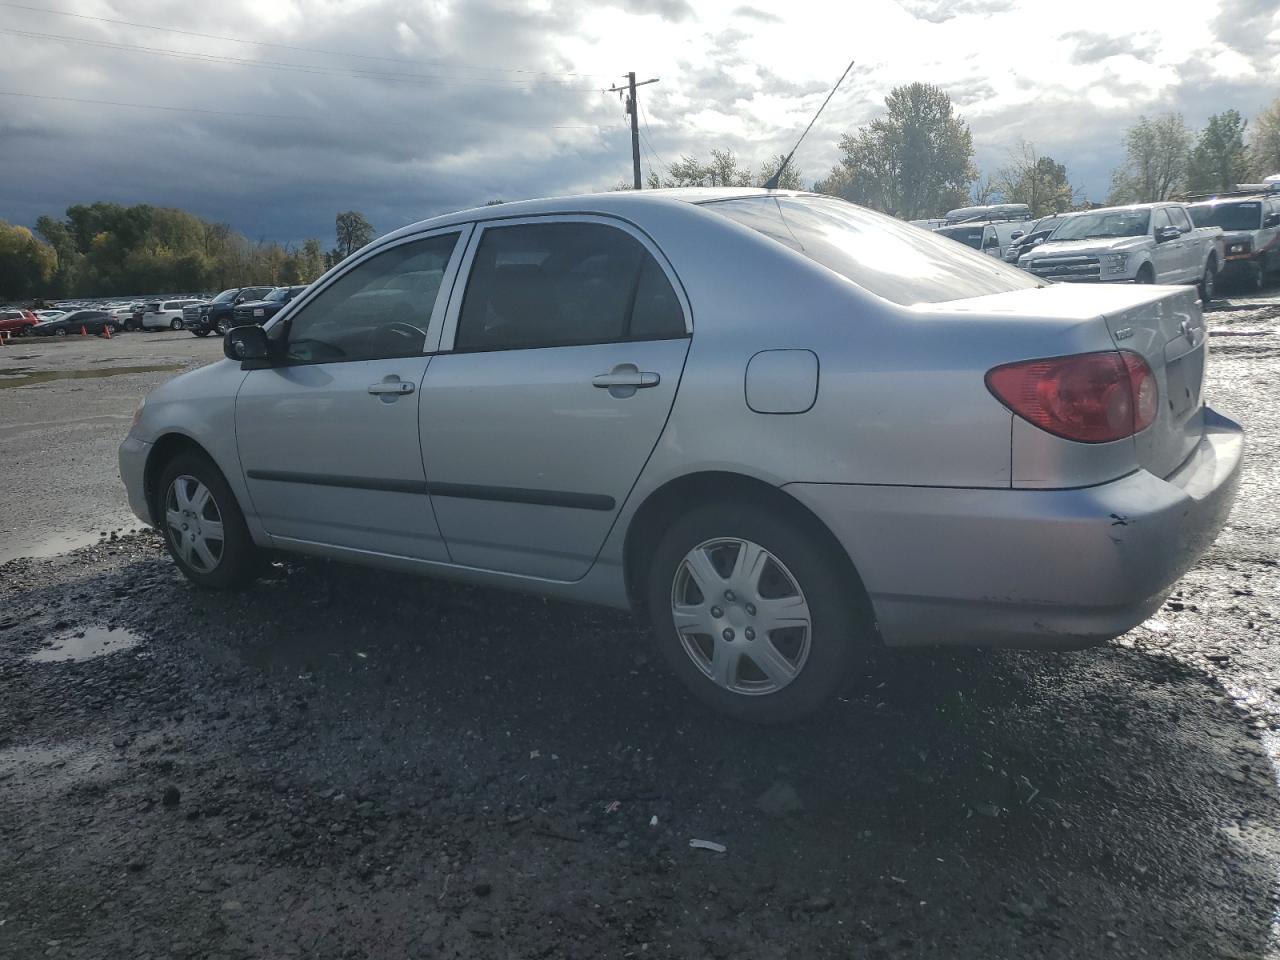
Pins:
<point x="342" y="763"/>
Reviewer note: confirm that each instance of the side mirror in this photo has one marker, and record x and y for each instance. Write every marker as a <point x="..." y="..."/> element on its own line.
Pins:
<point x="237" y="301"/>
<point x="1167" y="233"/>
<point x="247" y="344"/>
<point x="1272" y="221"/>
<point x="1017" y="234"/>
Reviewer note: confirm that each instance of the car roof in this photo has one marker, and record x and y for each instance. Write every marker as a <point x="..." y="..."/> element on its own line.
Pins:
<point x="615" y="202"/>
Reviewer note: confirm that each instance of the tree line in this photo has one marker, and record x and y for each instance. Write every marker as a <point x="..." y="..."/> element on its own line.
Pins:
<point x="916" y="161"/>
<point x="107" y="249"/>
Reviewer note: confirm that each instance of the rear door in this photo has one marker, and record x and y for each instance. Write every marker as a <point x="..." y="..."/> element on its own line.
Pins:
<point x="328" y="439"/>
<point x="1194" y="247"/>
<point x="557" y="370"/>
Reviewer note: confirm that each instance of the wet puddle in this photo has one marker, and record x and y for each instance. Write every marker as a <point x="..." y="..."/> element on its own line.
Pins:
<point x="25" y="376"/>
<point x="86" y="645"/>
<point x="59" y="543"/>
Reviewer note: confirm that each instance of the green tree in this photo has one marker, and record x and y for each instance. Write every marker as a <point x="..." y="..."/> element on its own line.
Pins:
<point x="353" y="232"/>
<point x="1219" y="160"/>
<point x="916" y="161"/>
<point x="1038" y="181"/>
<point x="27" y="266"/>
<point x="1264" y="143"/>
<point x="311" y="261"/>
<point x="792" y="178"/>
<point x="722" y="170"/>
<point x="1157" y="152"/>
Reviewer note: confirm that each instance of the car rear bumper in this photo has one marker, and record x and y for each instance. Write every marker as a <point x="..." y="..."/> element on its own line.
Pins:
<point x="133" y="470"/>
<point x="1054" y="569"/>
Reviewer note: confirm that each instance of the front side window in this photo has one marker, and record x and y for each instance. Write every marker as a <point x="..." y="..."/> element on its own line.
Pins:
<point x="557" y="284"/>
<point x="379" y="309"/>
<point x="1228" y="216"/>
<point x="1180" y="219"/>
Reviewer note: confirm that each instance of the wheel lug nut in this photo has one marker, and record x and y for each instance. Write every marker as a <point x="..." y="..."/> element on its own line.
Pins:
<point x="717" y="612"/>
<point x="728" y="595"/>
<point x="749" y="633"/>
<point x="751" y="609"/>
<point x="728" y="634"/>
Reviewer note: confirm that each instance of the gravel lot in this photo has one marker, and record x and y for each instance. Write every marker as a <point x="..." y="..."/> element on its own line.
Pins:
<point x="341" y="763"/>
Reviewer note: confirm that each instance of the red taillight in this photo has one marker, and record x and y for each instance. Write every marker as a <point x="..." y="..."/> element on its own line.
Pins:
<point x="1089" y="397"/>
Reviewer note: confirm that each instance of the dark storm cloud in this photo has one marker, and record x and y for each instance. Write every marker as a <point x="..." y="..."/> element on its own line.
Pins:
<point x="1092" y="47"/>
<point x="940" y="11"/>
<point x="752" y="13"/>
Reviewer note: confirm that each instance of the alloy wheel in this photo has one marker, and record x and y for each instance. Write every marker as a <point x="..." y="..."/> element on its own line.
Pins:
<point x="195" y="523"/>
<point x="741" y="616"/>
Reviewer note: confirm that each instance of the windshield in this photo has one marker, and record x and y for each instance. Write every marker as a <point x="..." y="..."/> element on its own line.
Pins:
<point x="887" y="257"/>
<point x="277" y="295"/>
<point x="1246" y="215"/>
<point x="1104" y="223"/>
<point x="226" y="296"/>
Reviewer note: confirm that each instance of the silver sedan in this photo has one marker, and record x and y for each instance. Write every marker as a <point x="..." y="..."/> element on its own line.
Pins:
<point x="786" y="428"/>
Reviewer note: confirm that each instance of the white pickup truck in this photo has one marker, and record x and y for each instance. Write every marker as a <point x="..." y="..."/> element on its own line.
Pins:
<point x="1144" y="243"/>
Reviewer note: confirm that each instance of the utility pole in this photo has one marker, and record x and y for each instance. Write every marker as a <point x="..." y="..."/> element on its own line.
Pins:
<point x="634" y="113"/>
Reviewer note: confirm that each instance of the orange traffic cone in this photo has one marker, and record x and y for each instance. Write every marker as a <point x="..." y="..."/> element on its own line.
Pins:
<point x="4" y="338"/>
<point x="83" y="331"/>
<point x="106" y="331"/>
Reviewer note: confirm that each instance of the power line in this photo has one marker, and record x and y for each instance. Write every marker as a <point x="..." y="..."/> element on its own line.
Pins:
<point x="148" y="106"/>
<point x="256" y="116"/>
<point x="648" y="140"/>
<point x="281" y="46"/>
<point x="316" y="69"/>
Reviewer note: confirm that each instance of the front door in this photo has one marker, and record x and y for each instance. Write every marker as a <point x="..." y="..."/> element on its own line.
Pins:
<point x="1168" y="259"/>
<point x="558" y="367"/>
<point x="328" y="438"/>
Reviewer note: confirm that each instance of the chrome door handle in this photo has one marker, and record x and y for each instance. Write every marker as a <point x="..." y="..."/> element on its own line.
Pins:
<point x="392" y="385"/>
<point x="631" y="378"/>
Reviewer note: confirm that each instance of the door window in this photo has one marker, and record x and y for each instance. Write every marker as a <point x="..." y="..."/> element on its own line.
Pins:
<point x="556" y="284"/>
<point x="1160" y="220"/>
<point x="379" y="309"/>
<point x="1180" y="219"/>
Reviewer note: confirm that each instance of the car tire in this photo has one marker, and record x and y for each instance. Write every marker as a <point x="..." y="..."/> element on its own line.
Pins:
<point x="1145" y="274"/>
<point x="175" y="325"/>
<point x="1209" y="282"/>
<point x="764" y="674"/>
<point x="193" y="492"/>
<point x="60" y="332"/>
<point x="201" y="333"/>
<point x="221" y="327"/>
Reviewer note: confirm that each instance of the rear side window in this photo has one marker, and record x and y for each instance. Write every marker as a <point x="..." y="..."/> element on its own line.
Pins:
<point x="887" y="257"/>
<point x="558" y="284"/>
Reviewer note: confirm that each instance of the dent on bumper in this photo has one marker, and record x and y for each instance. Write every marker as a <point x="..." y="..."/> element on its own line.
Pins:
<point x="133" y="467"/>
<point x="1031" y="568"/>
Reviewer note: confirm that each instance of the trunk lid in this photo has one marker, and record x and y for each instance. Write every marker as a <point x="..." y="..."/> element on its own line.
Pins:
<point x="1167" y="328"/>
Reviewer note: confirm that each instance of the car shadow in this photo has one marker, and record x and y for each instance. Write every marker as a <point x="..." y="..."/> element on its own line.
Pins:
<point x="983" y="804"/>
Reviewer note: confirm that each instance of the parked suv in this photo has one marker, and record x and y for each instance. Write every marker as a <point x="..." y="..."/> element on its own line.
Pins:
<point x="165" y="314"/>
<point x="215" y="316"/>
<point x="17" y="323"/>
<point x="1251" y="234"/>
<point x="1037" y="233"/>
<point x="260" y="311"/>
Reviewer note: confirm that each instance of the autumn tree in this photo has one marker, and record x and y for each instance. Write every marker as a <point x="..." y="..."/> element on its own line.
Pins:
<point x="1157" y="152"/>
<point x="353" y="232"/>
<point x="1038" y="181"/>
<point x="1264" y="143"/>
<point x="915" y="161"/>
<point x="26" y="265"/>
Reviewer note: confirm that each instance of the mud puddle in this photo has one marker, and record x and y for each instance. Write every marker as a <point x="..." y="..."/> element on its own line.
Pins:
<point x="24" y="377"/>
<point x="86" y="645"/>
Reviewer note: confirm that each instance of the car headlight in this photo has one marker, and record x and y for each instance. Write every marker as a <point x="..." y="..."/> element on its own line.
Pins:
<point x="137" y="414"/>
<point x="259" y="312"/>
<point x="1114" y="262"/>
<point x="1238" y="248"/>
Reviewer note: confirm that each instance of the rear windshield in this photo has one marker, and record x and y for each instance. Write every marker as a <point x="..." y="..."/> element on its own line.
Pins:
<point x="1229" y="216"/>
<point x="888" y="257"/>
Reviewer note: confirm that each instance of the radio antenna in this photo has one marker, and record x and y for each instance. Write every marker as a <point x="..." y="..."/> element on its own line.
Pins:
<point x="772" y="183"/>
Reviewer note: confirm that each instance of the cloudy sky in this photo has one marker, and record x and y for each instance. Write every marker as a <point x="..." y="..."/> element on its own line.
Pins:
<point x="407" y="108"/>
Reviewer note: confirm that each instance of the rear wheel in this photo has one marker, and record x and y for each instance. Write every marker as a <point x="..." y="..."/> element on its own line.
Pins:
<point x="1145" y="274"/>
<point x="60" y="332"/>
<point x="751" y="612"/>
<point x="175" y="324"/>
<point x="203" y="526"/>
<point x="201" y="333"/>
<point x="1208" y="282"/>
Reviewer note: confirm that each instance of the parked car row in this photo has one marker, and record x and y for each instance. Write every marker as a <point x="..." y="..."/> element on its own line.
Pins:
<point x="1234" y="235"/>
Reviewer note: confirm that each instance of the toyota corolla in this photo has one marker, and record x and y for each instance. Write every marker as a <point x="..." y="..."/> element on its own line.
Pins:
<point x="783" y="427"/>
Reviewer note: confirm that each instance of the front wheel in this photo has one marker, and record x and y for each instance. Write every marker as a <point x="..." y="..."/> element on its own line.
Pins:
<point x="752" y="612"/>
<point x="221" y="327"/>
<point x="60" y="332"/>
<point x="1145" y="274"/>
<point x="204" y="529"/>
<point x="1208" y="282"/>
